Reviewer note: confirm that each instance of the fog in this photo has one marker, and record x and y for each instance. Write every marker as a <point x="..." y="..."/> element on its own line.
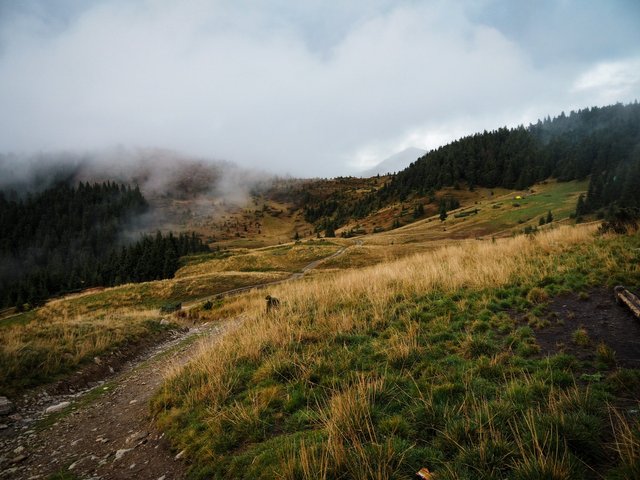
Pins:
<point x="299" y="87"/>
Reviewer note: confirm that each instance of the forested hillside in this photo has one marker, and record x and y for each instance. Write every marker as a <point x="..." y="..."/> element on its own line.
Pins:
<point x="602" y="143"/>
<point x="66" y="238"/>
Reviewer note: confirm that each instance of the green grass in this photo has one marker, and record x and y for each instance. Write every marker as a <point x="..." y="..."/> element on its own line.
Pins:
<point x="559" y="198"/>
<point x="449" y="381"/>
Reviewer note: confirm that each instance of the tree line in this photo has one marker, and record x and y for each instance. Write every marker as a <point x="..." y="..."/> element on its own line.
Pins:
<point x="67" y="238"/>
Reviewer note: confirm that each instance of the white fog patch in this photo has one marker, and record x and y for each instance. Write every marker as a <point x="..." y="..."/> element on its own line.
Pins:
<point x="303" y="87"/>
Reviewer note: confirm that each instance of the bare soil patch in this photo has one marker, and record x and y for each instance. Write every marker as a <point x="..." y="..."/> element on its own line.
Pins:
<point x="604" y="321"/>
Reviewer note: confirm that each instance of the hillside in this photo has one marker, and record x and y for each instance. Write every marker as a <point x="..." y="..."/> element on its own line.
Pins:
<point x="439" y="360"/>
<point x="467" y="329"/>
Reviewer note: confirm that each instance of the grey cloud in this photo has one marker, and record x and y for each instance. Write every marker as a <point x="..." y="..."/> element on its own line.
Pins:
<point x="297" y="87"/>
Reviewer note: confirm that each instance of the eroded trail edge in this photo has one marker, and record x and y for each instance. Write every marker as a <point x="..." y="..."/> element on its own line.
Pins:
<point x="105" y="432"/>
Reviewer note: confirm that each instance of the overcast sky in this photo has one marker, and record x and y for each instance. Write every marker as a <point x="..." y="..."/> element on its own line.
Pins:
<point x="305" y="87"/>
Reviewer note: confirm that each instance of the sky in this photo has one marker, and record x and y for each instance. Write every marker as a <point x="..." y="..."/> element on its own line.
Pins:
<point x="309" y="88"/>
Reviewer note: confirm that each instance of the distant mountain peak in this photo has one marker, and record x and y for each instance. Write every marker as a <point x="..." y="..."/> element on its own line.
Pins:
<point x="396" y="162"/>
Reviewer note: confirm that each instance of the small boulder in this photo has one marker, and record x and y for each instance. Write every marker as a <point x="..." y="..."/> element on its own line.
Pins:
<point x="6" y="406"/>
<point x="136" y="437"/>
<point x="57" y="408"/>
<point x="120" y="453"/>
<point x="20" y="458"/>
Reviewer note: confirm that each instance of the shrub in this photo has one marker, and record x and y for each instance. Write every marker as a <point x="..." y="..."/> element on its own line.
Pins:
<point x="537" y="295"/>
<point x="581" y="337"/>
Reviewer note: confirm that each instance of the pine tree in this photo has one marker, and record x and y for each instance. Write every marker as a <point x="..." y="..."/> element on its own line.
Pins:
<point x="443" y="213"/>
<point x="581" y="207"/>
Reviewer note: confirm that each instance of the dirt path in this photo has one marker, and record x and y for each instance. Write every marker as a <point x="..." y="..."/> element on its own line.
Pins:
<point x="109" y="434"/>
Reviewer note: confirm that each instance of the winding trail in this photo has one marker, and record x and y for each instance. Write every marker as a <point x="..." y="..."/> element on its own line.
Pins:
<point x="294" y="276"/>
<point x="106" y="432"/>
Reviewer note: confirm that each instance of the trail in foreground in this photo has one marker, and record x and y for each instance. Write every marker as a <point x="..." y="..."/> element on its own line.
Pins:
<point x="112" y="437"/>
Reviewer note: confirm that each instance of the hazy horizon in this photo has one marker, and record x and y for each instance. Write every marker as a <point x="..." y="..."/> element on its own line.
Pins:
<point x="301" y="87"/>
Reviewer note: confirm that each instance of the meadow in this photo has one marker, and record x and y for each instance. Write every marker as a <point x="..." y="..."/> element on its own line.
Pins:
<point x="48" y="343"/>
<point x="426" y="361"/>
<point x="496" y="213"/>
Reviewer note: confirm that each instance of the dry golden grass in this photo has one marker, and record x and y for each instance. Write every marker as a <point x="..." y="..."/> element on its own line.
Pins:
<point x="337" y="299"/>
<point x="366" y="253"/>
<point x="70" y="331"/>
<point x="285" y="258"/>
<point x="58" y="339"/>
<point x="626" y="443"/>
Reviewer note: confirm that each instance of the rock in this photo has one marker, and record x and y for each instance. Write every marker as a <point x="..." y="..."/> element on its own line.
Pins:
<point x="16" y="417"/>
<point x="6" y="406"/>
<point x="18" y="459"/>
<point x="164" y="321"/>
<point x="111" y="370"/>
<point x="162" y="477"/>
<point x="97" y="360"/>
<point x="3" y="426"/>
<point x="133" y="402"/>
<point x="180" y="455"/>
<point x="57" y="408"/>
<point x="120" y="453"/>
<point x="18" y="450"/>
<point x="136" y="437"/>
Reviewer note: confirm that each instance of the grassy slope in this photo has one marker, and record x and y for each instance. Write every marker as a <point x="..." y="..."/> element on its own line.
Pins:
<point x="498" y="215"/>
<point x="39" y="345"/>
<point x="289" y="257"/>
<point x="430" y="233"/>
<point x="375" y="373"/>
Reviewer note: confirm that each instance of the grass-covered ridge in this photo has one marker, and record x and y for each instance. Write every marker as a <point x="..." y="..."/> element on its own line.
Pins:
<point x="375" y="373"/>
<point x="291" y="257"/>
